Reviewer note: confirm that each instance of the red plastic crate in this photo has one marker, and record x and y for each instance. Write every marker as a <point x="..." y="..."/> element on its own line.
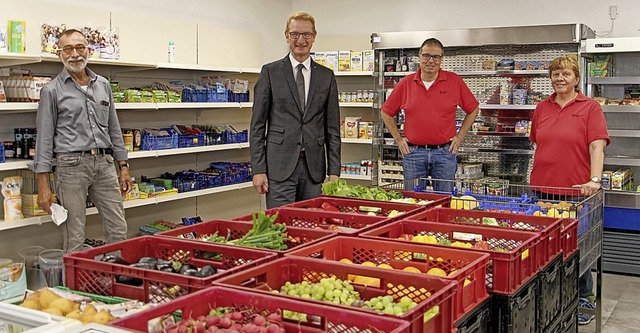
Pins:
<point x="438" y="200"/>
<point x="239" y="229"/>
<point x="351" y="206"/>
<point x="506" y="272"/>
<point x="348" y="224"/>
<point x="548" y="227"/>
<point x="330" y="319"/>
<point x="468" y="265"/>
<point x="569" y="237"/>
<point x="84" y="273"/>
<point x="396" y="283"/>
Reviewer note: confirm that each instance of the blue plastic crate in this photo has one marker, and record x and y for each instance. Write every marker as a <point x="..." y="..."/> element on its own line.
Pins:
<point x="236" y="137"/>
<point x="152" y="142"/>
<point x="185" y="141"/>
<point x="238" y="97"/>
<point x="2" y="159"/>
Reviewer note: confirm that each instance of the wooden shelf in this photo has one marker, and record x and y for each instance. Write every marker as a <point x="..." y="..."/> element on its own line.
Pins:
<point x="37" y="220"/>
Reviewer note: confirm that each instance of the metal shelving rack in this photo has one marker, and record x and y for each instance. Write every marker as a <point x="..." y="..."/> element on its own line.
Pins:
<point x="622" y="208"/>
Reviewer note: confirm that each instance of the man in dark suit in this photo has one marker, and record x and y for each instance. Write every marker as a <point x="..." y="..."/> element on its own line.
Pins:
<point x="295" y="127"/>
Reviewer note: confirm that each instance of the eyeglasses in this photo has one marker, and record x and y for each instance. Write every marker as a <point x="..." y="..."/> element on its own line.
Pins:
<point x="69" y="49"/>
<point x="296" y="35"/>
<point x="427" y="57"/>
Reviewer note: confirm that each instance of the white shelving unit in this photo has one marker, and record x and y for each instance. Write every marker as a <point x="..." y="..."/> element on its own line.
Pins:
<point x="37" y="220"/>
<point x="360" y="141"/>
<point x="355" y="177"/>
<point x="117" y="66"/>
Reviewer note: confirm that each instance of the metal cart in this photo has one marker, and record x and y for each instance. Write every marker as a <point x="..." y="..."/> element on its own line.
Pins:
<point x="499" y="195"/>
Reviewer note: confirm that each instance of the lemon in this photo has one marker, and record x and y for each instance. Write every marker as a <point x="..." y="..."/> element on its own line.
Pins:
<point x="385" y="266"/>
<point x="552" y="212"/>
<point x="368" y="264"/>
<point x="430" y="240"/>
<point x="437" y="272"/>
<point x="411" y="269"/>
<point x="466" y="282"/>
<point x="346" y="261"/>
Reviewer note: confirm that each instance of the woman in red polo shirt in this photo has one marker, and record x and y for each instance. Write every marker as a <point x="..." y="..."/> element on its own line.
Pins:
<point x="570" y="132"/>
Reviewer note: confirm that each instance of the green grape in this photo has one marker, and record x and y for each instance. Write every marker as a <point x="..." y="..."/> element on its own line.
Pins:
<point x="397" y="310"/>
<point x="306" y="296"/>
<point x="328" y="294"/>
<point x="379" y="306"/>
<point x="412" y="305"/>
<point x="405" y="302"/>
<point x="293" y="292"/>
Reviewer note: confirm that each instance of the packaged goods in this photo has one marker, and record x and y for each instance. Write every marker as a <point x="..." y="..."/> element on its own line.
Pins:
<point x="351" y="127"/>
<point x="331" y="60"/>
<point x="344" y="61"/>
<point x="13" y="280"/>
<point x="12" y="199"/>
<point x="17" y="36"/>
<point x="505" y="64"/>
<point x="320" y="58"/>
<point x="520" y="65"/>
<point x="606" y="179"/>
<point x="363" y="130"/>
<point x="4" y="42"/>
<point x="356" y="61"/>
<point x="110" y="43"/>
<point x="489" y="65"/>
<point x="368" y="60"/>
<point x="3" y="96"/>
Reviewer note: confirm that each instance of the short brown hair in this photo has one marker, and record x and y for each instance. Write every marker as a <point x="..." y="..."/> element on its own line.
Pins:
<point x="569" y="61"/>
<point x="304" y="16"/>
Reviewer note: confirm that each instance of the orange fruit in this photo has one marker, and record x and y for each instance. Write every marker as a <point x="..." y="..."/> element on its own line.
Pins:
<point x="437" y="272"/>
<point x="411" y="269"/>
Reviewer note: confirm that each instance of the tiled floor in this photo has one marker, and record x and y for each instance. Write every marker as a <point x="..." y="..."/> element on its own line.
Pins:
<point x="621" y="301"/>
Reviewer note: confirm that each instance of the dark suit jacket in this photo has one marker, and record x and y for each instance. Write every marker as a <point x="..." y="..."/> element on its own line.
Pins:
<point x="279" y="127"/>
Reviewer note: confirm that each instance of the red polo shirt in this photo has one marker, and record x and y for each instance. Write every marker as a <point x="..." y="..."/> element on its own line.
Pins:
<point x="430" y="115"/>
<point x="563" y="136"/>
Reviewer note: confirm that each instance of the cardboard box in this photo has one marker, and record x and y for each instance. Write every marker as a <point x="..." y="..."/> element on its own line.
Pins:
<point x="356" y="61"/>
<point x="368" y="60"/>
<point x="331" y="60"/>
<point x="320" y="58"/>
<point x="363" y="129"/>
<point x="344" y="61"/>
<point x="351" y="127"/>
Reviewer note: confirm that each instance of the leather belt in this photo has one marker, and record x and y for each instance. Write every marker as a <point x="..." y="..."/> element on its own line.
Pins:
<point x="94" y="151"/>
<point x="444" y="145"/>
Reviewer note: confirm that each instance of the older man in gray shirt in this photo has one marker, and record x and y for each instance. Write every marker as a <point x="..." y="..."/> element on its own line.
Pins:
<point x="78" y="129"/>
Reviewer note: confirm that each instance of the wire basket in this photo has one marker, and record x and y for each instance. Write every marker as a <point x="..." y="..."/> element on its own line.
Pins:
<point x="497" y="196"/>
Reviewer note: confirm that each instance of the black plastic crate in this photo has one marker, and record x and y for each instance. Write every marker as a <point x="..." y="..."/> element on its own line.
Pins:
<point x="569" y="290"/>
<point x="569" y="322"/>
<point x="515" y="313"/>
<point x="549" y="299"/>
<point x="476" y="320"/>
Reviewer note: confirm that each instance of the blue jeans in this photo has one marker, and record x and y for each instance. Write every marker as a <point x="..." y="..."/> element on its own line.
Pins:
<point x="79" y="175"/>
<point x="437" y="163"/>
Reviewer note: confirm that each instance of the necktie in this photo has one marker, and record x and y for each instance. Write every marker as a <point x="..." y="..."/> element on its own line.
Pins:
<point x="300" y="85"/>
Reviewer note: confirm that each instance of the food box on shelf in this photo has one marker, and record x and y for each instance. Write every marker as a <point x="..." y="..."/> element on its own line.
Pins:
<point x="231" y="230"/>
<point x="321" y="317"/>
<point x="512" y="253"/>
<point x="550" y="228"/>
<point x="357" y="206"/>
<point x="433" y="296"/>
<point x="86" y="271"/>
<point x="467" y="268"/>
<point x="348" y="224"/>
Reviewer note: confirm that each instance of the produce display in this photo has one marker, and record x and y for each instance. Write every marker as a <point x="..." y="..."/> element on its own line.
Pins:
<point x="73" y="306"/>
<point x="229" y="320"/>
<point x="169" y="266"/>
<point x="340" y="188"/>
<point x="525" y="205"/>
<point x="265" y="234"/>
<point x="369" y="210"/>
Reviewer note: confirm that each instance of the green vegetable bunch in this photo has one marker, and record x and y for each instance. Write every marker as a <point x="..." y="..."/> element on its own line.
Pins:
<point x="265" y="234"/>
<point x="340" y="188"/>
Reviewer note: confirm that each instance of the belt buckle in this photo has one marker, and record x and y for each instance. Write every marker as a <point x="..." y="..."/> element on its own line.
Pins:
<point x="95" y="151"/>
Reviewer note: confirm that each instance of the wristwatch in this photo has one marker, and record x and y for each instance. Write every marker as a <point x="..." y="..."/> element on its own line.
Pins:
<point x="595" y="179"/>
<point x="123" y="165"/>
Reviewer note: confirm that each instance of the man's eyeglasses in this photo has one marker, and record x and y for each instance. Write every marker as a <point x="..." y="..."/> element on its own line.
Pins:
<point x="296" y="35"/>
<point x="69" y="49"/>
<point x="427" y="57"/>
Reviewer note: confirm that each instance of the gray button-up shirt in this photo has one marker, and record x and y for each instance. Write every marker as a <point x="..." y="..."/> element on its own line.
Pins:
<point x="70" y="119"/>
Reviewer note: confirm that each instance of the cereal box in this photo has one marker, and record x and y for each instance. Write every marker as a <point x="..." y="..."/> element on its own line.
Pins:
<point x="363" y="130"/>
<point x="344" y="61"/>
<point x="331" y="60"/>
<point x="368" y="60"/>
<point x="356" y="61"/>
<point x="351" y="127"/>
<point x="320" y="58"/>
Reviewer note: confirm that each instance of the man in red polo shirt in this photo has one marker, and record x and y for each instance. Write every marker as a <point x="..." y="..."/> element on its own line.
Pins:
<point x="430" y="98"/>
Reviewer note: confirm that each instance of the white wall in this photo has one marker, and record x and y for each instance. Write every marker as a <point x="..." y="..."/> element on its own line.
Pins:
<point x="357" y="19"/>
